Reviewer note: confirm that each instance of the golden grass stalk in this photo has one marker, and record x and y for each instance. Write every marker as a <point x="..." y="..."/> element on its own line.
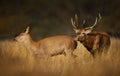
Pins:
<point x="14" y="56"/>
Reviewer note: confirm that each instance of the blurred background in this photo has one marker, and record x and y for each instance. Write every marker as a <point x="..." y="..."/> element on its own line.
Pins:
<point x="52" y="17"/>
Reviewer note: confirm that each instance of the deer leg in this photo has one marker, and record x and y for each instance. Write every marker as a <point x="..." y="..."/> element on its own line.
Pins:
<point x="95" y="49"/>
<point x="64" y="53"/>
<point x="73" y="55"/>
<point x="105" y="46"/>
<point x="70" y="53"/>
<point x="94" y="53"/>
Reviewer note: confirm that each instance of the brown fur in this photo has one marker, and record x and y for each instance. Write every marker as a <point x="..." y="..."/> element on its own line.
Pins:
<point x="49" y="46"/>
<point x="96" y="42"/>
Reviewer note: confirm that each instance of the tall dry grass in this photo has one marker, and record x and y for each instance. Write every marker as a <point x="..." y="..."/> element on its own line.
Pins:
<point x="16" y="60"/>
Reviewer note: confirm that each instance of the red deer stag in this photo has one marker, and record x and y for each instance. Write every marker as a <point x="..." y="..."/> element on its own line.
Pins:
<point x="95" y="42"/>
<point x="49" y="46"/>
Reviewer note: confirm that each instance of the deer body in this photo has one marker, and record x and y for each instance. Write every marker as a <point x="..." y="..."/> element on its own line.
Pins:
<point x="57" y="45"/>
<point x="94" y="41"/>
<point x="49" y="46"/>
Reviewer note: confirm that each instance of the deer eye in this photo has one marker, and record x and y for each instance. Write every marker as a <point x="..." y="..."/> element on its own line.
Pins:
<point x="83" y="33"/>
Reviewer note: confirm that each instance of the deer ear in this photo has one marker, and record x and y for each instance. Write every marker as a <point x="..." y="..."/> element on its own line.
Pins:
<point x="87" y="31"/>
<point x="76" y="30"/>
<point x="27" y="29"/>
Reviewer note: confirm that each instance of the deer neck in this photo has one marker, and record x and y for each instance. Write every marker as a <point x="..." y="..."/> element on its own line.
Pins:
<point x="31" y="45"/>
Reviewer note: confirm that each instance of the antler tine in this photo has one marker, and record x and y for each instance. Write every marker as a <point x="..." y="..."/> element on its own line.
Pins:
<point x="99" y="16"/>
<point x="75" y="23"/>
<point x="76" y="20"/>
<point x="96" y="20"/>
<point x="83" y="23"/>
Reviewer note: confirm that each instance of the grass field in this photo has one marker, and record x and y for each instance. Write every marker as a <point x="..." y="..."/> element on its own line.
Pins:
<point x="16" y="60"/>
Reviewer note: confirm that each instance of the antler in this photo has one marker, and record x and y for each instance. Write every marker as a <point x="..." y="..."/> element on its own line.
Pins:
<point x="99" y="17"/>
<point x="83" y="23"/>
<point x="96" y="20"/>
<point x="75" y="22"/>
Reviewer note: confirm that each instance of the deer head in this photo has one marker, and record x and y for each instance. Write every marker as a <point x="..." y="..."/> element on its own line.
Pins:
<point x="23" y="37"/>
<point x="83" y="32"/>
